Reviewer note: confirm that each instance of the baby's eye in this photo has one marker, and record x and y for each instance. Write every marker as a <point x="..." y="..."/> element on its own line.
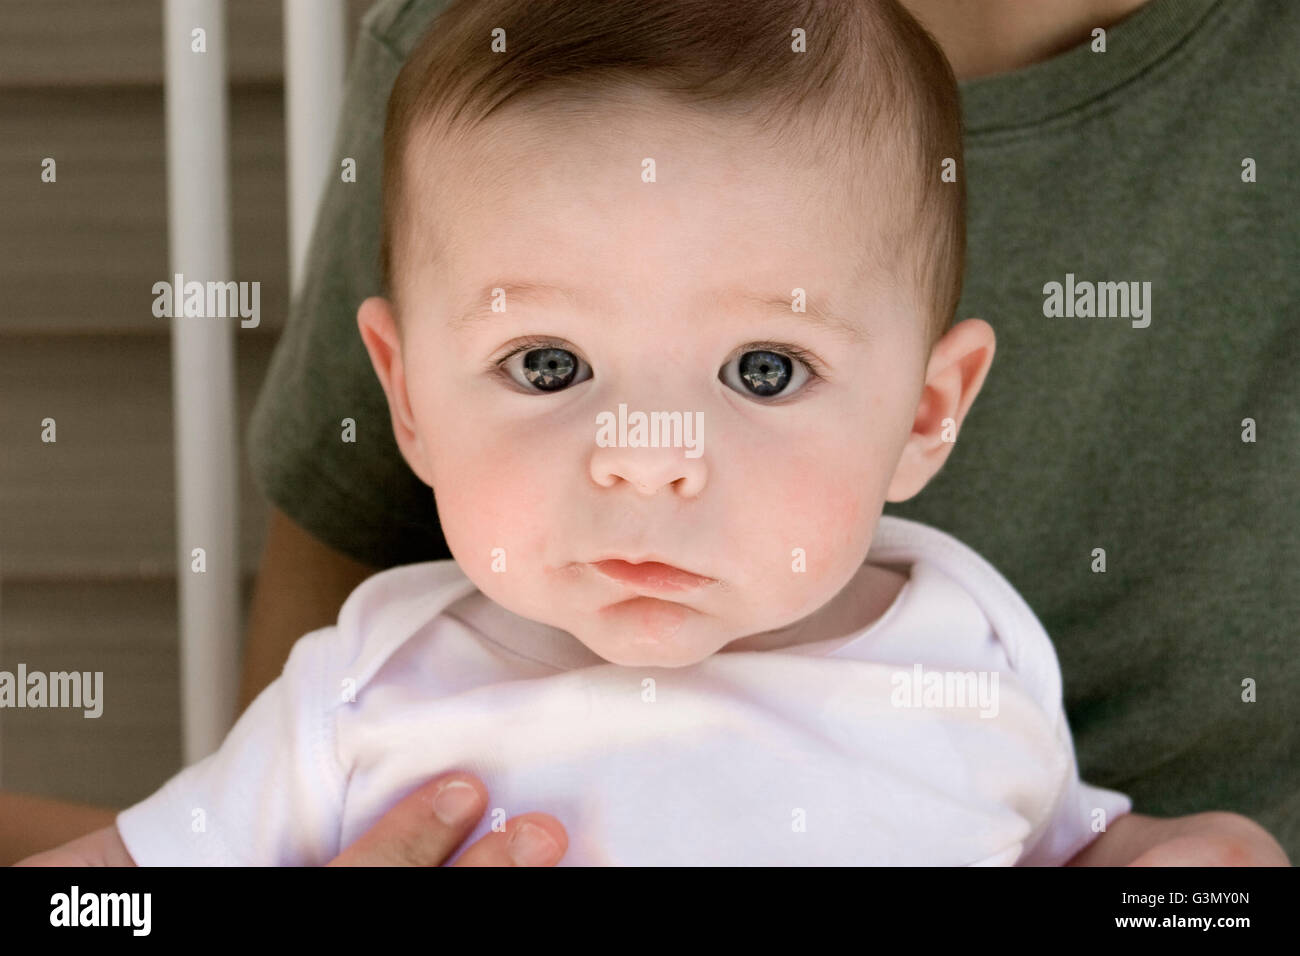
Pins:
<point x="765" y="373"/>
<point x="546" y="369"/>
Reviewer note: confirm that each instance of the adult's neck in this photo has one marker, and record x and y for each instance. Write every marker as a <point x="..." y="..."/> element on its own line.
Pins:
<point x="983" y="37"/>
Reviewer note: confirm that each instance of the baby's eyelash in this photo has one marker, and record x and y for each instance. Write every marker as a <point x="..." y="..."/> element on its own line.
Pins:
<point x="532" y="342"/>
<point x="814" y="364"/>
<point x="542" y="342"/>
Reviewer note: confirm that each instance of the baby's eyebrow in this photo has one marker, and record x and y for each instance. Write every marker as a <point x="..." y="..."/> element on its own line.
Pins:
<point x="478" y="310"/>
<point x="776" y="304"/>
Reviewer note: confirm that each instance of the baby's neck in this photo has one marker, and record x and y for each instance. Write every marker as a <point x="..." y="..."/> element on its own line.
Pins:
<point x="860" y="603"/>
<point x="997" y="36"/>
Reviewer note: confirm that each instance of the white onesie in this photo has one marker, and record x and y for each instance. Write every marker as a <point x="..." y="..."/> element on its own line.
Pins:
<point x="875" y="748"/>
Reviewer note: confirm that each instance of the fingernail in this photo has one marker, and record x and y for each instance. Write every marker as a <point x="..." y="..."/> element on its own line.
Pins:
<point x="530" y="845"/>
<point x="455" y="802"/>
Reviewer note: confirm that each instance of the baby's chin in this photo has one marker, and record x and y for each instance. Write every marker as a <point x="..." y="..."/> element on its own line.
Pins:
<point x="649" y="632"/>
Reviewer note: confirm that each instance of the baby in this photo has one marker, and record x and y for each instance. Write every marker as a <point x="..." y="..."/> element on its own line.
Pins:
<point x="668" y="319"/>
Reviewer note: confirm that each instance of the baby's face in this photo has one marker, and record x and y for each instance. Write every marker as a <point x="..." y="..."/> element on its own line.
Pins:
<point x="664" y="311"/>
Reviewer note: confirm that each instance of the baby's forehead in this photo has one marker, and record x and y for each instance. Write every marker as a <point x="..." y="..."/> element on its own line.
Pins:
<point x="648" y="145"/>
<point x="527" y="196"/>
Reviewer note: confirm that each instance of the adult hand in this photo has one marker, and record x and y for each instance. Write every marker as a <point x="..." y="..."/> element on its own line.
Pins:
<point x="426" y="827"/>
<point x="1213" y="839"/>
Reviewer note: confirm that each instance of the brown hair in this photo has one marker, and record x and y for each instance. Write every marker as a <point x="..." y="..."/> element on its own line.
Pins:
<point x="873" y="92"/>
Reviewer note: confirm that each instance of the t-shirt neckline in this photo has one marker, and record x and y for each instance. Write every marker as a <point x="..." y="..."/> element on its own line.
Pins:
<point x="1057" y="86"/>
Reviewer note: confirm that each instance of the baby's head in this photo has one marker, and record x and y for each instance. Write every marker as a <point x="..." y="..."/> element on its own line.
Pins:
<point x="599" y="209"/>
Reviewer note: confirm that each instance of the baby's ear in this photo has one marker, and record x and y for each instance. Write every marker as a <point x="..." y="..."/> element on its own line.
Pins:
<point x="959" y="363"/>
<point x="378" y="325"/>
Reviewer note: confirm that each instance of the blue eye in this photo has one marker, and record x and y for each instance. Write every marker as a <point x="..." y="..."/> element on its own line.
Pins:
<point x="544" y="366"/>
<point x="550" y="369"/>
<point x="765" y="369"/>
<point x="766" y="373"/>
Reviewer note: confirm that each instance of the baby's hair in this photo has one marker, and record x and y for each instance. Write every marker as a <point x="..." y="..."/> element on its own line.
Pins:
<point x="873" y="97"/>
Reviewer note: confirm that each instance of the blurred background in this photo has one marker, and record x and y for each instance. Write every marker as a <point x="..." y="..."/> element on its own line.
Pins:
<point x="87" y="524"/>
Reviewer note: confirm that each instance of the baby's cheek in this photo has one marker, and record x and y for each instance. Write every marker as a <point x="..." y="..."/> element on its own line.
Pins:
<point x="831" y="514"/>
<point x="823" y="506"/>
<point x="816" y="521"/>
<point x="786" y="528"/>
<point x="486" y="503"/>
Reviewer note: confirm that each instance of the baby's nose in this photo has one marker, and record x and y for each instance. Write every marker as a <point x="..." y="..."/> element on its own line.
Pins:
<point x="646" y="468"/>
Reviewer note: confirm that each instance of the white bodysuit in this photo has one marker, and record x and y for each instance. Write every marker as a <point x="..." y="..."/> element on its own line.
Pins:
<point x="874" y="748"/>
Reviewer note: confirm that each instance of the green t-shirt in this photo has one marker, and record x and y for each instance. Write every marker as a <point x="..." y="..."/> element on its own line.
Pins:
<point x="1090" y="433"/>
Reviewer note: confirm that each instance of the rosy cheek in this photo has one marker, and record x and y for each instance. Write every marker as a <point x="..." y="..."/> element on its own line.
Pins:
<point x="777" y="531"/>
<point x="498" y="501"/>
<point x="467" y="493"/>
<point x="821" y="513"/>
<point x="810" y="527"/>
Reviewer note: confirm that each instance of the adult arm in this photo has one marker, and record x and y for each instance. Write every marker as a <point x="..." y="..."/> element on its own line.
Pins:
<point x="29" y="824"/>
<point x="301" y="584"/>
<point x="300" y="587"/>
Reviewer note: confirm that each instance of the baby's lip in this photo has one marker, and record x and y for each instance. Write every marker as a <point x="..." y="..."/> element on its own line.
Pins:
<point x="652" y="575"/>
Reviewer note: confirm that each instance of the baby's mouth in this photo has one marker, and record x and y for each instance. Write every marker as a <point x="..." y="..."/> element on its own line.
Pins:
<point x="650" y="574"/>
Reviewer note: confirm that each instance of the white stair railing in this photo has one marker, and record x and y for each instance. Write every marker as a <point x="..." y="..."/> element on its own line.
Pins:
<point x="203" y="382"/>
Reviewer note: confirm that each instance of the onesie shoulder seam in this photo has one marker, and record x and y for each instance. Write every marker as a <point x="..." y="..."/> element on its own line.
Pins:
<point x="326" y="738"/>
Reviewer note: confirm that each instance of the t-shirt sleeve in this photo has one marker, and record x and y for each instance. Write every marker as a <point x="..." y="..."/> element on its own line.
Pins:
<point x="1081" y="813"/>
<point x="271" y="795"/>
<point x="358" y="496"/>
